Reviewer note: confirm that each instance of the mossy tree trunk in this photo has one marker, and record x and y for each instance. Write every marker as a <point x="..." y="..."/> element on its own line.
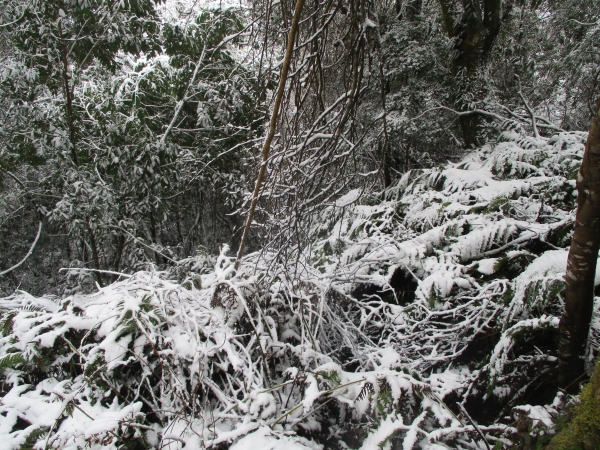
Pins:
<point x="581" y="265"/>
<point x="583" y="429"/>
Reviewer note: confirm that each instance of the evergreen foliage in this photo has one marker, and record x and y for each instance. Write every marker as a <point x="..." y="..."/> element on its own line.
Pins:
<point x="405" y="272"/>
<point x="245" y="357"/>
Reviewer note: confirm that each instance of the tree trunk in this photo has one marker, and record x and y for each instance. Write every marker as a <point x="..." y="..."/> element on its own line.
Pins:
<point x="272" y="125"/>
<point x="474" y="34"/>
<point x="67" y="90"/>
<point x="470" y="126"/>
<point x="95" y="257"/>
<point x="385" y="163"/>
<point x="581" y="265"/>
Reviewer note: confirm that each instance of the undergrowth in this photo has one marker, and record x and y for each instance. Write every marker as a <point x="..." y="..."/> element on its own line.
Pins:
<point x="437" y="296"/>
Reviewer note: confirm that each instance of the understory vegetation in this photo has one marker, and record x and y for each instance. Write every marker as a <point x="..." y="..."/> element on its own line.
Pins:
<point x="295" y="224"/>
<point x="438" y="294"/>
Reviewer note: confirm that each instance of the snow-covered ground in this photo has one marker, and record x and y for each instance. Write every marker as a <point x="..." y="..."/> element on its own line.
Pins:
<point x="444" y="289"/>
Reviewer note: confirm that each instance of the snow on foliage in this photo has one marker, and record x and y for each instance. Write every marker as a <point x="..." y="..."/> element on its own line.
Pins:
<point x="445" y="288"/>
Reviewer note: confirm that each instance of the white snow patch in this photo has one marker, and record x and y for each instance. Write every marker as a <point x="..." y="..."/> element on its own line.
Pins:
<point x="266" y="439"/>
<point x="486" y="266"/>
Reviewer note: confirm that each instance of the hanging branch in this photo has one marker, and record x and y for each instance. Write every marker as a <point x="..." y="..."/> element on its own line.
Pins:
<point x="529" y="110"/>
<point x="41" y="213"/>
<point x="272" y="125"/>
<point x="28" y="253"/>
<point x="185" y="98"/>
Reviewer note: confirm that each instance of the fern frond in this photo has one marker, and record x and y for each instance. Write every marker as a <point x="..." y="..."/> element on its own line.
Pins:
<point x="10" y="360"/>
<point x="365" y="391"/>
<point x="33" y="438"/>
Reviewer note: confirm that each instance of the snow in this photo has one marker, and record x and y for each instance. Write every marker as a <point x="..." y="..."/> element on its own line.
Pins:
<point x="448" y="381"/>
<point x="266" y="439"/>
<point x="268" y="346"/>
<point x="265" y="403"/>
<point x="385" y="431"/>
<point x="500" y="354"/>
<point x="348" y="198"/>
<point x="486" y="266"/>
<point x="540" y="415"/>
<point x="111" y="419"/>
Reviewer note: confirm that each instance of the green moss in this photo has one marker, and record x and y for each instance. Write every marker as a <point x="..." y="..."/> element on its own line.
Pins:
<point x="583" y="432"/>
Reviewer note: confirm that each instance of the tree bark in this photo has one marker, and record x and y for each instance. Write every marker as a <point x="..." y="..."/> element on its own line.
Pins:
<point x="385" y="164"/>
<point x="474" y="34"/>
<point x="581" y="265"/>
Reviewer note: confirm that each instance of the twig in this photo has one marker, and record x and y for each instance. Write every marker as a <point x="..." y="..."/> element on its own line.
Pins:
<point x="327" y="392"/>
<point x="184" y="99"/>
<point x="28" y="253"/>
<point x="312" y="412"/>
<point x="41" y="210"/>
<point x="464" y="411"/>
<point x="146" y="245"/>
<point x="272" y="125"/>
<point x="14" y="22"/>
<point x="529" y="110"/>
<point x="85" y="269"/>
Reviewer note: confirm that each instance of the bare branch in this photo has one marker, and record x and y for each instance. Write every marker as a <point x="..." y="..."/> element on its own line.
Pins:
<point x="28" y="253"/>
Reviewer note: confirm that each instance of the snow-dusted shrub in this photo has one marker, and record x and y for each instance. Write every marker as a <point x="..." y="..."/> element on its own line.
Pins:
<point x="444" y="289"/>
<point x="486" y="241"/>
<point x="148" y="362"/>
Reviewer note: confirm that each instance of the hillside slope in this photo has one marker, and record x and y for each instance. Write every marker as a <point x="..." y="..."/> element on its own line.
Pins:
<point x="439" y="295"/>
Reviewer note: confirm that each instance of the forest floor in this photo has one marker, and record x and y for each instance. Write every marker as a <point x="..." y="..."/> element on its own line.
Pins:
<point x="424" y="316"/>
